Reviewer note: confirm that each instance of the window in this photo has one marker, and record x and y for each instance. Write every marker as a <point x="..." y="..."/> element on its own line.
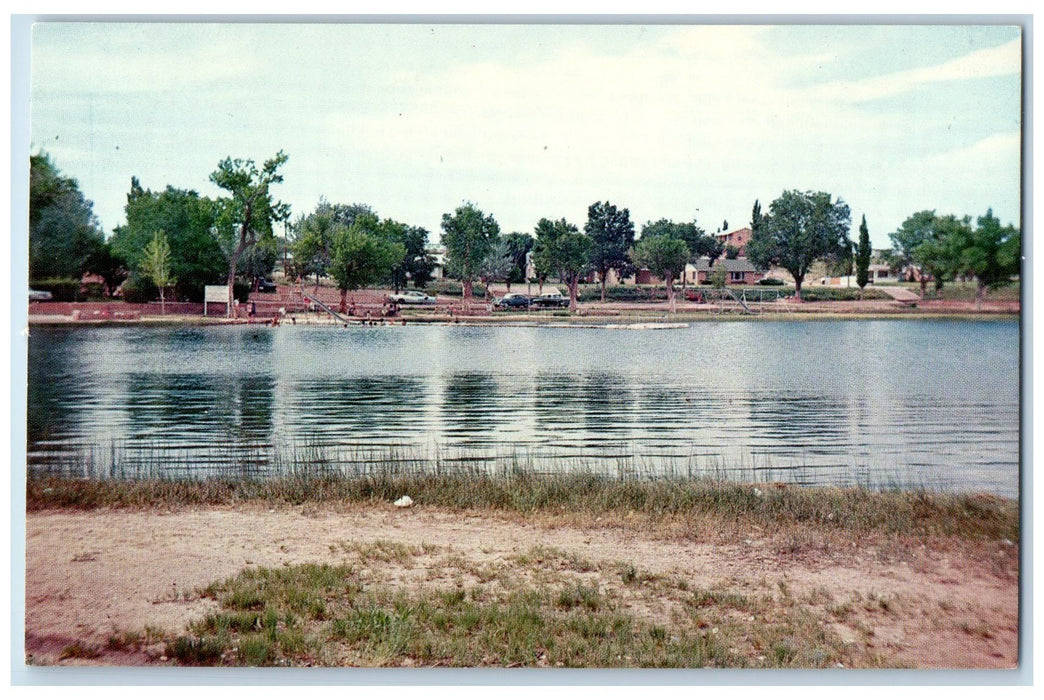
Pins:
<point x="737" y="276"/>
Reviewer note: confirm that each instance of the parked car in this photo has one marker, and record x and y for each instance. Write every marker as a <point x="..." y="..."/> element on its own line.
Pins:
<point x="264" y="285"/>
<point x="551" y="300"/>
<point x="512" y="300"/>
<point x="37" y="295"/>
<point x="413" y="296"/>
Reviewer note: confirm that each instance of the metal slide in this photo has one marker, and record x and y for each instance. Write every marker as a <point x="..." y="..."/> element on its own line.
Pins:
<point x="325" y="308"/>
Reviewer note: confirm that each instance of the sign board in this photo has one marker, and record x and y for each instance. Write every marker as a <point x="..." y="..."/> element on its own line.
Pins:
<point x="215" y="294"/>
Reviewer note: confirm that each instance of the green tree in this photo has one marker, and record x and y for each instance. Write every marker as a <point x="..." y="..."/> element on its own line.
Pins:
<point x="155" y="264"/>
<point x="64" y="234"/>
<point x="562" y="248"/>
<point x="362" y="255"/>
<point x="468" y="235"/>
<point x="800" y="228"/>
<point x="611" y="234"/>
<point x="665" y="256"/>
<point x="518" y="245"/>
<point x="249" y="212"/>
<point x="312" y="246"/>
<point x="497" y="265"/>
<point x="188" y="221"/>
<point x="986" y="252"/>
<point x="416" y="264"/>
<point x="918" y="228"/>
<point x="862" y="257"/>
<point x="938" y="254"/>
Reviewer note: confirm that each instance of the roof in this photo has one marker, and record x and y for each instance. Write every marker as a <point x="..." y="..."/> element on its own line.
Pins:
<point x="734" y="265"/>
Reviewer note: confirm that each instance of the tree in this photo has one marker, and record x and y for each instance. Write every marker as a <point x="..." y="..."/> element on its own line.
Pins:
<point x="665" y="256"/>
<point x="416" y="264"/>
<point x="938" y="254"/>
<point x="312" y="246"/>
<point x="800" y="228"/>
<point x="250" y="210"/>
<point x="188" y="221"/>
<point x="468" y="236"/>
<point x="362" y="256"/>
<point x="915" y="230"/>
<point x="497" y="265"/>
<point x="562" y="248"/>
<point x="611" y="234"/>
<point x="862" y="257"/>
<point x="986" y="252"/>
<point x="695" y="238"/>
<point x="518" y="245"/>
<point x="731" y="252"/>
<point x="64" y="234"/>
<point x="155" y="264"/>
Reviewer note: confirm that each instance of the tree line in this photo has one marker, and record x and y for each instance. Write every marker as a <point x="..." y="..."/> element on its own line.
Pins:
<point x="178" y="238"/>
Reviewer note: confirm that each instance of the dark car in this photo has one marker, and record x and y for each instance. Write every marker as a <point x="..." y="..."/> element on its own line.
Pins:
<point x="264" y="285"/>
<point x="553" y="300"/>
<point x="513" y="300"/>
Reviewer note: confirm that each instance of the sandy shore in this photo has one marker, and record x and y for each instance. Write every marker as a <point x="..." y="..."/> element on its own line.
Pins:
<point x="924" y="604"/>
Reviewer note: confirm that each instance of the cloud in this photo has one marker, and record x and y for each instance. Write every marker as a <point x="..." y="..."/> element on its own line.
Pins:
<point x="1005" y="59"/>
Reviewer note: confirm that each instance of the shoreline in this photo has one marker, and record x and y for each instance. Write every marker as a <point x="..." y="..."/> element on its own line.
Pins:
<point x="623" y="317"/>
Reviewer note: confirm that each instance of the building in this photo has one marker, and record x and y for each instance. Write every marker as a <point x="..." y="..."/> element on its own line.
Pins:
<point x="737" y="271"/>
<point x="737" y="239"/>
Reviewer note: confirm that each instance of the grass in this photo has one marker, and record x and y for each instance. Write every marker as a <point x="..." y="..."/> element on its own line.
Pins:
<point x="538" y="615"/>
<point x="690" y="505"/>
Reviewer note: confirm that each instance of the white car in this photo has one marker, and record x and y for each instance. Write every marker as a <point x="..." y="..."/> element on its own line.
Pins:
<point x="412" y="296"/>
<point x="37" y="295"/>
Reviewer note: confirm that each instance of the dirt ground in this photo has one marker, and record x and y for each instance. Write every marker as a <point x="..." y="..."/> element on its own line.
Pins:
<point x="90" y="574"/>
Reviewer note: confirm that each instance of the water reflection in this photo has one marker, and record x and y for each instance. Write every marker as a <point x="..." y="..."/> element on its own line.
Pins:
<point x="751" y="399"/>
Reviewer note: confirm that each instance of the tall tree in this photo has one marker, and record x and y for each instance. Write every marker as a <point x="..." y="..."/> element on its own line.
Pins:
<point x="312" y="246"/>
<point x="800" y="228"/>
<point x="665" y="256"/>
<point x="416" y="264"/>
<point x="64" y="234"/>
<point x="695" y="238"/>
<point x="518" y="245"/>
<point x="155" y="264"/>
<point x="497" y="265"/>
<point x="986" y="253"/>
<point x="468" y="235"/>
<point x="938" y="254"/>
<point x="562" y="248"/>
<point x="862" y="257"/>
<point x="249" y="211"/>
<point x="188" y="221"/>
<point x="611" y="234"/>
<point x="915" y="230"/>
<point x="362" y="255"/>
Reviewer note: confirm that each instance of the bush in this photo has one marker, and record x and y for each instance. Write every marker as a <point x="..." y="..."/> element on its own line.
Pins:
<point x="452" y="288"/>
<point x="840" y="294"/>
<point x="65" y="289"/>
<point x="771" y="282"/>
<point x="139" y="291"/>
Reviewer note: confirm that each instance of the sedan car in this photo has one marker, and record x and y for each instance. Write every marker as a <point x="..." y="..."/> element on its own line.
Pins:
<point x="551" y="300"/>
<point x="412" y="296"/>
<point x="37" y="295"/>
<point x="513" y="300"/>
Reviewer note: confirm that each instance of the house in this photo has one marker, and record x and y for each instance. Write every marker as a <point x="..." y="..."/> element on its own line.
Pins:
<point x="738" y="271"/>
<point x="438" y="256"/>
<point x="737" y="239"/>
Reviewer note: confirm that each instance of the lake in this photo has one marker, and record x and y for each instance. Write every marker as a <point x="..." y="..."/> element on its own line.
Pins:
<point x="878" y="403"/>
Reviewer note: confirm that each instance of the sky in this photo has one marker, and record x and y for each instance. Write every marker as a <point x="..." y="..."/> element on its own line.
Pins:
<point x="531" y="121"/>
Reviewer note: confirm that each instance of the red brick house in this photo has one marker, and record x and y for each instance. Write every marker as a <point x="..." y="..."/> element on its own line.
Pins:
<point x="737" y="239"/>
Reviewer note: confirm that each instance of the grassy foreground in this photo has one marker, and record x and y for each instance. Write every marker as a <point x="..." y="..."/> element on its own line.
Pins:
<point x="545" y="607"/>
<point x="574" y="497"/>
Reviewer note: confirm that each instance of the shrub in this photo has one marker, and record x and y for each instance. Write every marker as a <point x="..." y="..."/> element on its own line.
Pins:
<point x="139" y="291"/>
<point x="64" y="289"/>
